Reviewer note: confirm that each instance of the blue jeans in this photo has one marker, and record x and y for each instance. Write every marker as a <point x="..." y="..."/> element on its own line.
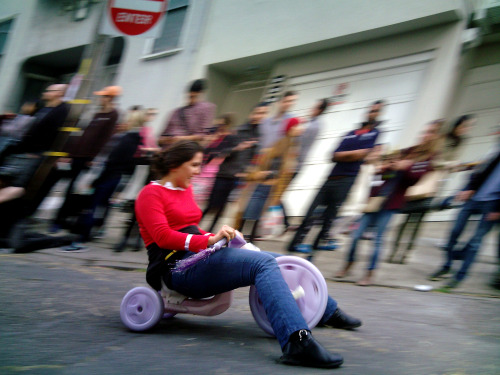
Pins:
<point x="380" y="220"/>
<point x="257" y="202"/>
<point x="471" y="207"/>
<point x="229" y="268"/>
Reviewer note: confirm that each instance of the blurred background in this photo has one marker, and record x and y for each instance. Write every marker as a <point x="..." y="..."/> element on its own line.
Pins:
<point x="428" y="59"/>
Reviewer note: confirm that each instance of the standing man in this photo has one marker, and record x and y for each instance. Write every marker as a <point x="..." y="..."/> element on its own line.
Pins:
<point x="40" y="136"/>
<point x="348" y="157"/>
<point x="481" y="197"/>
<point x="273" y="128"/>
<point x="239" y="152"/>
<point x="192" y="121"/>
<point x="26" y="158"/>
<point x="27" y="155"/>
<point x="89" y="144"/>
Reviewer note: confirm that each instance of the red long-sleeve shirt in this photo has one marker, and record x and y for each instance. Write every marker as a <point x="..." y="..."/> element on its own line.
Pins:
<point x="161" y="211"/>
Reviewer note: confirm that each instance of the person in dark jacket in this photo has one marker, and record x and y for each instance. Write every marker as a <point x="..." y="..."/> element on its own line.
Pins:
<point x="89" y="144"/>
<point x="481" y="197"/>
<point x="116" y="159"/>
<point x="23" y="159"/>
<point x="40" y="136"/>
<point x="398" y="174"/>
<point x="238" y="151"/>
<point x="348" y="157"/>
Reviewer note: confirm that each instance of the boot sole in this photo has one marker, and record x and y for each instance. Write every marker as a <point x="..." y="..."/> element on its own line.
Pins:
<point x="348" y="328"/>
<point x="293" y="362"/>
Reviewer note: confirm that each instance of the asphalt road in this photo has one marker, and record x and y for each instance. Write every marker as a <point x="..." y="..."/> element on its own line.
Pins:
<point x="58" y="317"/>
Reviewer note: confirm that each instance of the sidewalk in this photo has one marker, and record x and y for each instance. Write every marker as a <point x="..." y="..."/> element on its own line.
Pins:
<point x="425" y="258"/>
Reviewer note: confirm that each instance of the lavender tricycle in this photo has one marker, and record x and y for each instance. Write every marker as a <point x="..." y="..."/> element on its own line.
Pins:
<point x="142" y="307"/>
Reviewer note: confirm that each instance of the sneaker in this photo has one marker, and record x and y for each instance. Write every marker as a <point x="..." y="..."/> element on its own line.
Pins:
<point x="302" y="248"/>
<point x="54" y="228"/>
<point x="452" y="284"/>
<point x="341" y="320"/>
<point x="443" y="273"/>
<point x="75" y="247"/>
<point x="327" y="245"/>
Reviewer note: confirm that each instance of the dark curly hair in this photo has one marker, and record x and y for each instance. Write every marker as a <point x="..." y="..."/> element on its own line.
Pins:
<point x="174" y="156"/>
<point x="456" y="140"/>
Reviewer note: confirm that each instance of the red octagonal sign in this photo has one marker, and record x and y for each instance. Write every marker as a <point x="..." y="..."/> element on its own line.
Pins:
<point x="135" y="17"/>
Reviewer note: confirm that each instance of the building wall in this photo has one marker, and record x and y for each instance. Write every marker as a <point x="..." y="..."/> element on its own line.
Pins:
<point x="442" y="41"/>
<point x="262" y="38"/>
<point x="239" y="45"/>
<point x="239" y="28"/>
<point x="42" y="27"/>
<point x="161" y="81"/>
<point x="22" y="13"/>
<point x="51" y="29"/>
<point x="478" y="93"/>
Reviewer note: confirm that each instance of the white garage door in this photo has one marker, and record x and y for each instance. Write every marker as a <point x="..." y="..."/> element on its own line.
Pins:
<point x="397" y="81"/>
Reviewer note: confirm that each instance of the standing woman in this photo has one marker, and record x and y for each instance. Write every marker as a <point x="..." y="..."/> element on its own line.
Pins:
<point x="419" y="199"/>
<point x="454" y="139"/>
<point x="400" y="174"/>
<point x="272" y="175"/>
<point x="168" y="218"/>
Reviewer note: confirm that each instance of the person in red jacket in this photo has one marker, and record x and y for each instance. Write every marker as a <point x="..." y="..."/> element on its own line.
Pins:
<point x="168" y="220"/>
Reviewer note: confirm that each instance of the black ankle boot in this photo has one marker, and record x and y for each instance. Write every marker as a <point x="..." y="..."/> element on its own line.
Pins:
<point x="303" y="350"/>
<point x="340" y="319"/>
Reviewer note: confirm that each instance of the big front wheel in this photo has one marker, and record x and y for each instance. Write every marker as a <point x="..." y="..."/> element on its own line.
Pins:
<point x="308" y="287"/>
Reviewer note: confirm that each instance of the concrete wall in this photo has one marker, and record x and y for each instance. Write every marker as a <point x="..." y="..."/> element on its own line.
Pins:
<point x="443" y="41"/>
<point x="51" y="29"/>
<point x="239" y="28"/>
<point x="10" y="62"/>
<point x="41" y="27"/>
<point x="161" y="81"/>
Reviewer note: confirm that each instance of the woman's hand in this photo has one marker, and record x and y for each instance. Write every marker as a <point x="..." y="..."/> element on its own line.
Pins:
<point x="226" y="231"/>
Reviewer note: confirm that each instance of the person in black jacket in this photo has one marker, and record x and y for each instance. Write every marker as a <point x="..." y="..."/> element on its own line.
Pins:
<point x="238" y="151"/>
<point x="40" y="136"/>
<point x="481" y="197"/>
<point x="21" y="161"/>
<point x="95" y="135"/>
<point x="116" y="159"/>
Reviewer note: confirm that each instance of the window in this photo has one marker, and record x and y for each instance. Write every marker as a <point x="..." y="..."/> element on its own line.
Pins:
<point x="4" y="33"/>
<point x="172" y="26"/>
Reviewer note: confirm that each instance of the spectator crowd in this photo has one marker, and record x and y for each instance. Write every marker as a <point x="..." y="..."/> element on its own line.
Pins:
<point x="251" y="164"/>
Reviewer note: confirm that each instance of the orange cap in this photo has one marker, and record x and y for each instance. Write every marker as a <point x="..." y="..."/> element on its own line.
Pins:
<point x="109" y="91"/>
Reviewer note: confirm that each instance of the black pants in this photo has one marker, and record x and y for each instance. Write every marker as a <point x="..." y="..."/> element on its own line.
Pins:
<point x="219" y="196"/>
<point x="332" y="194"/>
<point x="77" y="166"/>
